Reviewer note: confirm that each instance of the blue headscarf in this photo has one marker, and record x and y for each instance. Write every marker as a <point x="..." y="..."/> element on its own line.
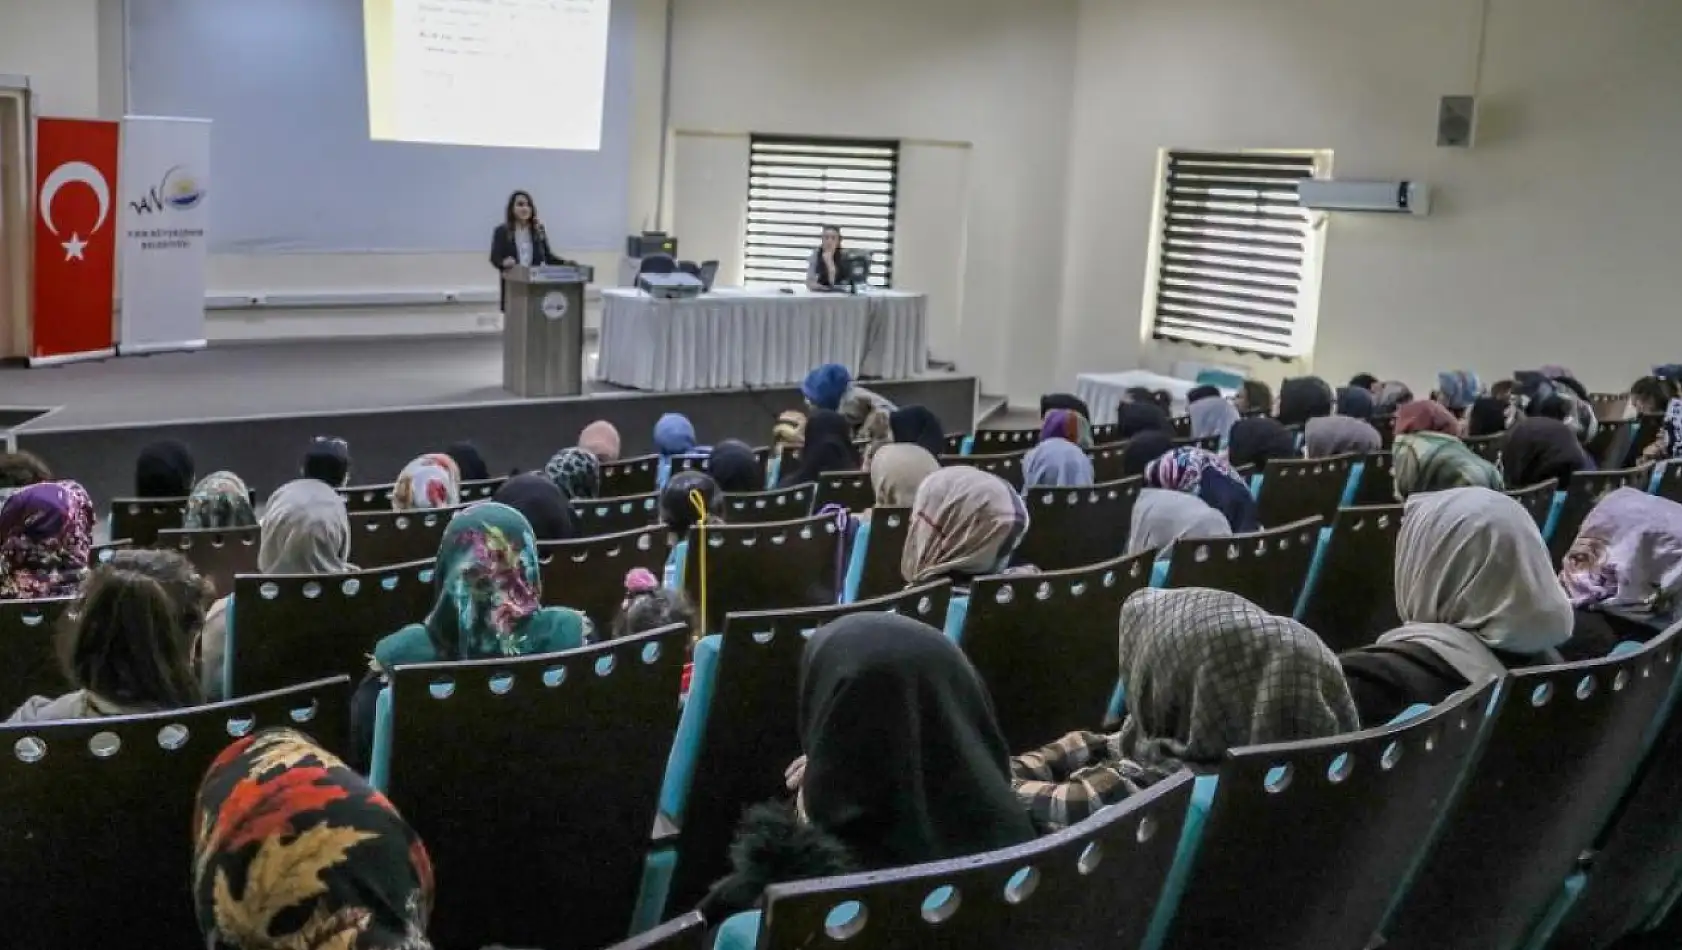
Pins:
<point x="1354" y="402"/>
<point x="1056" y="462"/>
<point x="674" y="434"/>
<point x="1458" y="388"/>
<point x="824" y="386"/>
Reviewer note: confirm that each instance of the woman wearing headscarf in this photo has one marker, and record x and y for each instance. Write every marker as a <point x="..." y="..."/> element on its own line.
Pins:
<point x="1142" y="450"/>
<point x="1426" y="416"/>
<point x="917" y="425"/>
<point x="163" y="470"/>
<point x="1303" y="398"/>
<point x="1366" y="381"/>
<point x="1476" y="595"/>
<point x="1161" y="517"/>
<point x="898" y="470"/>
<point x="674" y="434"/>
<point x="1433" y="461"/>
<point x="46" y="538"/>
<point x="1537" y="449"/>
<point x="1204" y="671"/>
<point x="831" y="387"/>
<point x="1258" y="441"/>
<point x="1487" y="416"/>
<point x="219" y="500"/>
<point x="1457" y="389"/>
<point x="1390" y="396"/>
<point x="735" y="468"/>
<point x="1056" y="463"/>
<point x="965" y="523"/>
<point x="790" y="430"/>
<point x="469" y="462"/>
<point x="1355" y="403"/>
<point x="600" y="439"/>
<point x="431" y="481"/>
<point x="1068" y="426"/>
<point x="545" y="507"/>
<point x="904" y="764"/>
<point x="829" y="448"/>
<point x="1067" y="401"/>
<point x="1137" y="418"/>
<point x="1339" y="435"/>
<point x="1212" y="416"/>
<point x="1535" y="393"/>
<point x="576" y="472"/>
<point x="306" y="530"/>
<point x="1623" y="573"/>
<point x="1209" y="477"/>
<point x="294" y="849"/>
<point x="327" y="460"/>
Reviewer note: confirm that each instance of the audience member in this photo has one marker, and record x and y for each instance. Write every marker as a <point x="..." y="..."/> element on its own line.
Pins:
<point x="1651" y="395"/>
<point x="576" y="472"/>
<point x="1433" y="461"/>
<point x="327" y="460"/>
<point x="1259" y="440"/>
<point x="1366" y="381"/>
<point x="1068" y="426"/>
<point x="1457" y="390"/>
<point x="1136" y="418"/>
<point x="1537" y="449"/>
<point x="1303" y="398"/>
<point x="648" y="606"/>
<point x="1159" y="398"/>
<point x="790" y="431"/>
<point x="965" y="523"/>
<point x="1067" y="401"/>
<point x="46" y="539"/>
<point x="127" y="647"/>
<point x="469" y="463"/>
<point x="1057" y="462"/>
<point x="829" y="448"/>
<point x="1555" y="397"/>
<point x="1355" y="403"/>
<point x="674" y="434"/>
<point x="295" y="850"/>
<point x="20" y="470"/>
<point x="1254" y="397"/>
<point x="1339" y="435"/>
<point x="736" y="468"/>
<point x="1390" y="396"/>
<point x="898" y="471"/>
<point x="219" y="500"/>
<point x="1623" y="573"/>
<point x="1143" y="449"/>
<point x="1426" y="416"/>
<point x="1204" y="671"/>
<point x="431" y="481"/>
<point x="917" y="425"/>
<point x="1212" y="416"/>
<point x="1486" y="417"/>
<point x="1209" y="477"/>
<point x="677" y="507"/>
<point x="831" y="387"/>
<point x="163" y="470"/>
<point x="1476" y="595"/>
<point x="1161" y="517"/>
<point x="904" y="764"/>
<point x="600" y="439"/>
<point x="545" y="507"/>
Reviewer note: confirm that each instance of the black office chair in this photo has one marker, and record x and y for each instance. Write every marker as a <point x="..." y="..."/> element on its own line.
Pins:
<point x="691" y="268"/>
<point x="657" y="264"/>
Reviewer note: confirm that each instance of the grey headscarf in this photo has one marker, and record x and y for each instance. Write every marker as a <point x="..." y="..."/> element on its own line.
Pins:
<point x="1161" y="517"/>
<point x="1212" y="416"/>
<point x="1391" y="394"/>
<point x="1056" y="462"/>
<point x="306" y="530"/>
<point x="1336" y="435"/>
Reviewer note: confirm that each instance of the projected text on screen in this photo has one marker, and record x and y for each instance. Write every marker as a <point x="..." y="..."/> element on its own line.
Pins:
<point x="499" y="73"/>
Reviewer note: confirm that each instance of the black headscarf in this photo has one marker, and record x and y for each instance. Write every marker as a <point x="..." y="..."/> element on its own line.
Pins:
<point x="543" y="504"/>
<point x="1537" y="449"/>
<point x="164" y="470"/>
<point x="1354" y="403"/>
<point x="469" y="462"/>
<point x="1304" y="398"/>
<point x="1363" y="381"/>
<point x="1202" y="392"/>
<point x="735" y="468"/>
<point x="1067" y="401"/>
<point x="918" y="425"/>
<point x="829" y="448"/>
<point x="1254" y="441"/>
<point x="327" y="460"/>
<point x="1143" y="449"/>
<point x="1134" y="418"/>
<point x="904" y="760"/>
<point x="1487" y="416"/>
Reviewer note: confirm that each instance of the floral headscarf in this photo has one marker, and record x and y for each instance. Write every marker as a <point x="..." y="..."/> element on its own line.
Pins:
<point x="1209" y="477"/>
<point x="577" y="472"/>
<point x="46" y="537"/>
<point x="1627" y="559"/>
<point x="431" y="481"/>
<point x="295" y="851"/>
<point x="219" y="500"/>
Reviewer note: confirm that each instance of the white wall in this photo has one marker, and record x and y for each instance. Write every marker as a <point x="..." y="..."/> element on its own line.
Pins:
<point x="1556" y="240"/>
<point x="56" y="44"/>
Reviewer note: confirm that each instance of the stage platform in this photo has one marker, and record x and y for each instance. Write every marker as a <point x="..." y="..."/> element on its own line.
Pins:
<point x="252" y="408"/>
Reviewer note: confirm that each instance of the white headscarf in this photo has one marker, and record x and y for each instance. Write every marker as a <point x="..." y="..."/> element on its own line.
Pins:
<point x="306" y="530"/>
<point x="1161" y="517"/>
<point x="1472" y="573"/>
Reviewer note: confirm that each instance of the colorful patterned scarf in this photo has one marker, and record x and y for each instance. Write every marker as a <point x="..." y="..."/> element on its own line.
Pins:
<point x="219" y="500"/>
<point x="46" y="537"/>
<point x="431" y="481"/>
<point x="577" y="472"/>
<point x="1209" y="477"/>
<point x="1069" y="425"/>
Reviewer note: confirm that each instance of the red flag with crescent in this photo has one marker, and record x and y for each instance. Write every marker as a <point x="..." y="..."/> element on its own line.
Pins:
<point x="75" y="236"/>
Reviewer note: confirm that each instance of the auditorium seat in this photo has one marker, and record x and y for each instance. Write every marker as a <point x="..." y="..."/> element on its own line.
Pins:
<point x="1377" y="485"/>
<point x="481" y="490"/>
<point x="1182" y="427"/>
<point x="286" y="629"/>
<point x="1386" y="426"/>
<point x="101" y="553"/>
<point x="96" y="836"/>
<point x="1106" y="434"/>
<point x="956" y="444"/>
<point x="1045" y="645"/>
<point x="1294" y="489"/>
<point x="1208" y="444"/>
<point x="588" y="574"/>
<point x="138" y="520"/>
<point x="1305" y="843"/>
<point x="1609" y="406"/>
<point x="1584" y="492"/>
<point x="1079" y="525"/>
<point x="1611" y="445"/>
<point x="1108" y="464"/>
<point x="1537" y="499"/>
<point x="1003" y="441"/>
<point x="1007" y="466"/>
<point x="781" y="504"/>
<point x="1667" y="483"/>
<point x="688" y="932"/>
<point x="851" y="490"/>
<point x="769" y="566"/>
<point x="28" y="654"/>
<point x="616" y="515"/>
<point x="633" y="476"/>
<point x="873" y="569"/>
<point x="1561" y="747"/>
<point x="1350" y="597"/>
<point x="1488" y="447"/>
<point x="741" y="729"/>
<point x="1095" y="885"/>
<point x="547" y="767"/>
<point x="216" y="553"/>
<point x="703" y="463"/>
<point x="361" y="498"/>
<point x="1268" y="568"/>
<point x="382" y="538"/>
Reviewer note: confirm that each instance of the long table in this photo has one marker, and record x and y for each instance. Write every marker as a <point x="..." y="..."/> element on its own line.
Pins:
<point x="735" y="338"/>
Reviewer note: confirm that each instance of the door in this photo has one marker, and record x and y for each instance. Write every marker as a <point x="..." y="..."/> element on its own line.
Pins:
<point x="16" y="225"/>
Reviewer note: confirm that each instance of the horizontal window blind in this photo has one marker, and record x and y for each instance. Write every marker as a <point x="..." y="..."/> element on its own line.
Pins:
<point x="798" y="185"/>
<point x="1233" y="251"/>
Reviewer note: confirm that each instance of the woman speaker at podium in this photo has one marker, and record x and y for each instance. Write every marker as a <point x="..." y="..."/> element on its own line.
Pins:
<point x="520" y="240"/>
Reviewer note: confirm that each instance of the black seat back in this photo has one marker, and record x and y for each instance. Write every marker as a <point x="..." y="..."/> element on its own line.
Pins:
<point x="955" y="443"/>
<point x="1378" y="483"/>
<point x="96" y="839"/>
<point x="588" y="574"/>
<point x="616" y="515"/>
<point x="139" y="520"/>
<point x="1106" y="434"/>
<point x="851" y="490"/>
<point x="28" y="630"/>
<point x="1182" y="427"/>
<point x="1045" y="645"/>
<point x="481" y="489"/>
<point x="102" y="553"/>
<point x="1107" y="462"/>
<point x="1007" y="466"/>
<point x="1561" y="747"/>
<point x="704" y="463"/>
<point x="766" y="507"/>
<point x="753" y="726"/>
<point x="1268" y="568"/>
<point x="881" y="574"/>
<point x="383" y="538"/>
<point x="1386" y="426"/>
<point x="1670" y="483"/>
<point x="1328" y="827"/>
<point x="688" y="932"/>
<point x="477" y="749"/>
<point x="1354" y="597"/>
<point x="288" y="629"/>
<point x="1584" y="492"/>
<point x="1488" y="447"/>
<point x="1004" y="441"/>
<point x="773" y="566"/>
<point x="1056" y="893"/>
<point x="1611" y="443"/>
<point x="1211" y="443"/>
<point x="1537" y="499"/>
<point x="216" y="553"/>
<point x="364" y="498"/>
<point x="1294" y="489"/>
<point x="633" y="476"/>
<point x="1609" y="405"/>
<point x="1079" y="525"/>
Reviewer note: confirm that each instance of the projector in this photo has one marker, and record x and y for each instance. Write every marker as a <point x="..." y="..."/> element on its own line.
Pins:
<point x="676" y="286"/>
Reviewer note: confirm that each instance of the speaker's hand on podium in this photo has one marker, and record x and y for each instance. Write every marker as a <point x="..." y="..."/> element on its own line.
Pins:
<point x="508" y="262"/>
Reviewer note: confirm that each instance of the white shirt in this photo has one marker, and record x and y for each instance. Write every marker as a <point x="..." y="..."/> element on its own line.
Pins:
<point x="523" y="246"/>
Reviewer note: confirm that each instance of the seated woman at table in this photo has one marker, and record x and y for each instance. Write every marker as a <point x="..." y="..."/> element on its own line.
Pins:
<point x="825" y="270"/>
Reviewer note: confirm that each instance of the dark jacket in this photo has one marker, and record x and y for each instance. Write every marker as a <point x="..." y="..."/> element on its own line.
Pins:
<point x="1386" y="678"/>
<point x="503" y="246"/>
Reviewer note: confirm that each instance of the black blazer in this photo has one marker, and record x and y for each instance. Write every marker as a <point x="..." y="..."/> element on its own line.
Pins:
<point x="503" y="247"/>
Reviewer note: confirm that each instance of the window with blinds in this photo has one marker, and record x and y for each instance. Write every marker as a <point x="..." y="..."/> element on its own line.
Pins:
<point x="1237" y="258"/>
<point x="798" y="185"/>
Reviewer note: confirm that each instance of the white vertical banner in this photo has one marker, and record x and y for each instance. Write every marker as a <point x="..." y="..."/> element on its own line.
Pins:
<point x="165" y="183"/>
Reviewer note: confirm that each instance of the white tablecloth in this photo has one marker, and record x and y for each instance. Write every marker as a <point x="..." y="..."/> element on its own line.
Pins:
<point x="732" y="338"/>
<point x="1102" y="392"/>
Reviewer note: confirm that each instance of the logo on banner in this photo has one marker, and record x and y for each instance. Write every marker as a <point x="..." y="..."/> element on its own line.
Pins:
<point x="554" y="305"/>
<point x="178" y="190"/>
<point x="72" y="173"/>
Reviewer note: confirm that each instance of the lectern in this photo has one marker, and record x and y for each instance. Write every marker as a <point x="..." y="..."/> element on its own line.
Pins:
<point x="543" y="330"/>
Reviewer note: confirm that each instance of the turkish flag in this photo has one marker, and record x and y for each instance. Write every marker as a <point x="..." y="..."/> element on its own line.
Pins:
<point x="75" y="236"/>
